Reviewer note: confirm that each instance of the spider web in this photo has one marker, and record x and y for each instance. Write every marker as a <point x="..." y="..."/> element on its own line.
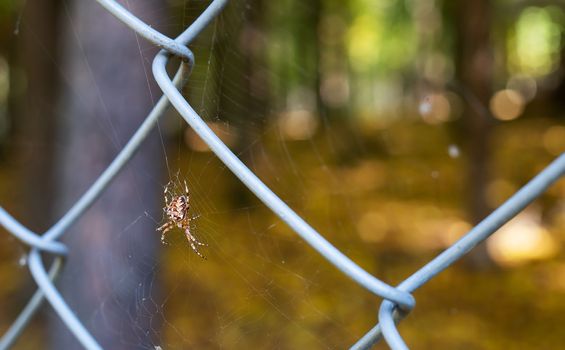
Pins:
<point x="377" y="188"/>
<point x="261" y="299"/>
<point x="261" y="285"/>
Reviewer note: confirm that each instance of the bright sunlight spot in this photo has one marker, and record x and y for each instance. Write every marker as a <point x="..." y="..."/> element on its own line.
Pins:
<point x="534" y="48"/>
<point x="523" y="239"/>
<point x="364" y="42"/>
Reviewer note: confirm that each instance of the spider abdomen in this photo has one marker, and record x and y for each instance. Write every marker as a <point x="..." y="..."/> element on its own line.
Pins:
<point x="178" y="208"/>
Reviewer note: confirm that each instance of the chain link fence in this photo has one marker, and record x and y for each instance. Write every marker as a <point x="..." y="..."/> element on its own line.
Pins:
<point x="398" y="301"/>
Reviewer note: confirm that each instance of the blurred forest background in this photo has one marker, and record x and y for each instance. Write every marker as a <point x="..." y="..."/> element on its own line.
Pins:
<point x="392" y="126"/>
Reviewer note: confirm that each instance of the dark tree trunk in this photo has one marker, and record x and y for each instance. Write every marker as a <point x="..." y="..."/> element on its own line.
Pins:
<point x="108" y="278"/>
<point x="246" y="71"/>
<point x="254" y="82"/>
<point x="31" y="113"/>
<point x="33" y="87"/>
<point x="559" y="92"/>
<point x="474" y="67"/>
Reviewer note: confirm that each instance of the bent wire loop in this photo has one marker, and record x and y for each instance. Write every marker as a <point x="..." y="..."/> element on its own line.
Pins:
<point x="398" y="301"/>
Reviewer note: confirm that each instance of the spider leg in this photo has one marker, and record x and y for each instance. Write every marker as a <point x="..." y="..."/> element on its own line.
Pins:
<point x="165" y="228"/>
<point x="196" y="251"/>
<point x="165" y="194"/>
<point x="194" y="243"/>
<point x="185" y="188"/>
<point x="191" y="238"/>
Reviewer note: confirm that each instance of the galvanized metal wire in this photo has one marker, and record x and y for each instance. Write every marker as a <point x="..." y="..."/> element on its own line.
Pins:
<point x="397" y="301"/>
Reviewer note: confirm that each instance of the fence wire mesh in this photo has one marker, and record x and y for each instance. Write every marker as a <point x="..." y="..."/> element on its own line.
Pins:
<point x="398" y="301"/>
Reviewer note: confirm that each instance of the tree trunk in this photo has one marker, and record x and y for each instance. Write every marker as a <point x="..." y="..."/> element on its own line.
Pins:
<point x="32" y="107"/>
<point x="31" y="113"/>
<point x="108" y="279"/>
<point x="246" y="70"/>
<point x="474" y="67"/>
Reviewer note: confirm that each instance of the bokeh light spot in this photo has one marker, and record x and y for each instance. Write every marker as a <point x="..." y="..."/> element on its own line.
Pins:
<point x="554" y="140"/>
<point x="298" y="124"/>
<point x="522" y="240"/>
<point x="507" y="104"/>
<point x="435" y="109"/>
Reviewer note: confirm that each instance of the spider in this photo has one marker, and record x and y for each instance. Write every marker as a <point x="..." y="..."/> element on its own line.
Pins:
<point x="176" y="208"/>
